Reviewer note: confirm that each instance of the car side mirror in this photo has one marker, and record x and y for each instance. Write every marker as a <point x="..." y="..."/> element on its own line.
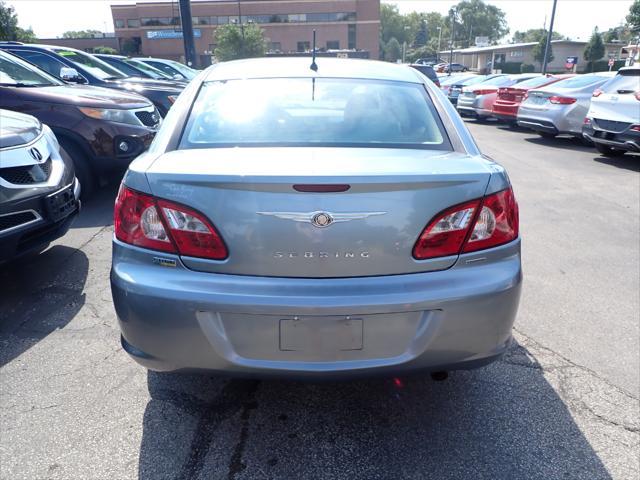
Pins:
<point x="69" y="74"/>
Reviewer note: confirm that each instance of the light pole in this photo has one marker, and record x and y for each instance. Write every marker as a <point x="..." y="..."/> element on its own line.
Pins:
<point x="548" y="43"/>
<point x="452" y="14"/>
<point x="439" y="37"/>
<point x="241" y="29"/>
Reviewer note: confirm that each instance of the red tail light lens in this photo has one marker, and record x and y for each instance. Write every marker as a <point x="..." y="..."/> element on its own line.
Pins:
<point x="597" y="92"/>
<point x="635" y="128"/>
<point x="470" y="226"/>
<point x="562" y="100"/>
<point x="485" y="91"/>
<point x="637" y="95"/>
<point x="147" y="222"/>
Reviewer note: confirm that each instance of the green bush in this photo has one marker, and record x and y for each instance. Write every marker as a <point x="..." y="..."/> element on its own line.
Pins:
<point x="527" y="68"/>
<point x="603" y="66"/>
<point x="105" y="50"/>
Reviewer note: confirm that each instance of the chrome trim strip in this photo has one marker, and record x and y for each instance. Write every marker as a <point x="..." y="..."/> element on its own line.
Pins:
<point x="37" y="218"/>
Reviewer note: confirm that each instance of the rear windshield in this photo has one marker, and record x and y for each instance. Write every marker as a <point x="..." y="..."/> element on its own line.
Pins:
<point x="622" y="84"/>
<point x="320" y="112"/>
<point x="536" y="82"/>
<point x="473" y="81"/>
<point x="579" y="81"/>
<point x="499" y="82"/>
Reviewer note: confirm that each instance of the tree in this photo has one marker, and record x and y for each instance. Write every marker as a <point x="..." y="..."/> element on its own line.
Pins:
<point x="129" y="46"/>
<point x="233" y="43"/>
<point x="9" y="29"/>
<point x="620" y="34"/>
<point x="422" y="36"/>
<point x="534" y="35"/>
<point x="81" y="34"/>
<point x="633" y="18"/>
<point x="594" y="50"/>
<point x="539" y="48"/>
<point x="474" y="18"/>
<point x="105" y="50"/>
<point x="392" y="50"/>
<point x="392" y="24"/>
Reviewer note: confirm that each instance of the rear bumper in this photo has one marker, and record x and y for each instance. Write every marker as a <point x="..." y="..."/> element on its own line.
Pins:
<point x="537" y="124"/>
<point x="628" y="141"/>
<point x="176" y="319"/>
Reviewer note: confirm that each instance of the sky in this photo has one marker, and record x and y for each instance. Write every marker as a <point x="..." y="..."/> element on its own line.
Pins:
<point x="574" y="18"/>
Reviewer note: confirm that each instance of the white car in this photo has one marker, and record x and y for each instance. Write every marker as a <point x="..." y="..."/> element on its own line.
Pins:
<point x="613" y="120"/>
<point x="172" y="68"/>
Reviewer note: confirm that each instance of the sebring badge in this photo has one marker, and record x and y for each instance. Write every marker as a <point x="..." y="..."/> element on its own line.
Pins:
<point x="321" y="219"/>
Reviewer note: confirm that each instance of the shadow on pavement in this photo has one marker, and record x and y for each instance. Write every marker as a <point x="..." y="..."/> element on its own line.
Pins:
<point x="566" y="143"/>
<point x="39" y="297"/>
<point x="626" y="162"/>
<point x="502" y="421"/>
<point x="97" y="211"/>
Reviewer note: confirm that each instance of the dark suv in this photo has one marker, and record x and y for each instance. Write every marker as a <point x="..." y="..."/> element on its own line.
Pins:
<point x="427" y="71"/>
<point x="76" y="66"/>
<point x="101" y="130"/>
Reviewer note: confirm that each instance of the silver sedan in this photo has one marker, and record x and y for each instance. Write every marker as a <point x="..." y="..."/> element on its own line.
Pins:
<point x="562" y="106"/>
<point x="297" y="223"/>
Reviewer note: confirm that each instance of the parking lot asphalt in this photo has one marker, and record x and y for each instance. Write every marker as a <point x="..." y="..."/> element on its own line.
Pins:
<point x="563" y="403"/>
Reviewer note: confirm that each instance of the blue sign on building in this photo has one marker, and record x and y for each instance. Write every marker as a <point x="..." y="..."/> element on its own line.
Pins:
<point x="163" y="34"/>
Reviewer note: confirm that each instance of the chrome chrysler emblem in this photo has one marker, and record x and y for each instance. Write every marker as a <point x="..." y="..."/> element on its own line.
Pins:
<point x="321" y="219"/>
<point x="35" y="154"/>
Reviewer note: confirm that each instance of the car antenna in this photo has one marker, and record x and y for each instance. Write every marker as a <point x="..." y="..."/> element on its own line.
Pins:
<point x="314" y="65"/>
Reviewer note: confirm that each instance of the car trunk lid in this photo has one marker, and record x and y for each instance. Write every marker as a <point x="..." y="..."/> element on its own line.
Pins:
<point x="379" y="203"/>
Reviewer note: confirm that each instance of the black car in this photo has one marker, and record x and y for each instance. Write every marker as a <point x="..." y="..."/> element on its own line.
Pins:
<point x="427" y="71"/>
<point x="136" y="68"/>
<point x="38" y="190"/>
<point x="76" y="66"/>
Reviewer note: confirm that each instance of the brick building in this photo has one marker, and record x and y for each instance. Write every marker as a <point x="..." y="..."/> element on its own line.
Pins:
<point x="154" y="28"/>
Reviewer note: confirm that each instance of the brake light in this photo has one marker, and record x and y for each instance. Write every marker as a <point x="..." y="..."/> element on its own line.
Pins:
<point x="471" y="226"/>
<point x="485" y="91"/>
<point x="586" y="121"/>
<point x="147" y="222"/>
<point x="635" y="128"/>
<point x="637" y="95"/>
<point x="561" y="100"/>
<point x="597" y="92"/>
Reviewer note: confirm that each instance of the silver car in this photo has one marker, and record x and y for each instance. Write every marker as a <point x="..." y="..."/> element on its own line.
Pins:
<point x="288" y="222"/>
<point x="562" y="106"/>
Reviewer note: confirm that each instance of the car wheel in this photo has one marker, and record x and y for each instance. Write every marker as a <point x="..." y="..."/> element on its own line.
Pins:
<point x="81" y="165"/>
<point x="609" y="151"/>
<point x="547" y="135"/>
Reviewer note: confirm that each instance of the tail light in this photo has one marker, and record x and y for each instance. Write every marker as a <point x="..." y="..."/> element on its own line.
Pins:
<point x="156" y="224"/>
<point x="635" y="128"/>
<point x="637" y="95"/>
<point x="561" y="100"/>
<point x="470" y="226"/>
<point x="586" y="121"/>
<point x="597" y="92"/>
<point x="485" y="91"/>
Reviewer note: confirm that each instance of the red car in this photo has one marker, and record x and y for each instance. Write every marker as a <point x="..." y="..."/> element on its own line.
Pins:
<point x="509" y="98"/>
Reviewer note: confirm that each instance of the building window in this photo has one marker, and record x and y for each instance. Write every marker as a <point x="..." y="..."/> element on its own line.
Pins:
<point x="516" y="53"/>
<point x="201" y="20"/>
<point x="222" y="20"/>
<point x="119" y="23"/>
<point x="304" y="46"/>
<point x="275" y="47"/>
<point x="133" y="23"/>
<point x="333" y="44"/>
<point x="500" y="57"/>
<point x="352" y="36"/>
<point x="160" y="21"/>
<point x="317" y="17"/>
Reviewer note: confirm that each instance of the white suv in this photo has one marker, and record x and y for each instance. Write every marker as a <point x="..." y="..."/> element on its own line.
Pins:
<point x="613" y="120"/>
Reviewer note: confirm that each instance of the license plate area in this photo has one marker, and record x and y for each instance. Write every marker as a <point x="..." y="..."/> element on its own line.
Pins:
<point x="60" y="204"/>
<point x="321" y="335"/>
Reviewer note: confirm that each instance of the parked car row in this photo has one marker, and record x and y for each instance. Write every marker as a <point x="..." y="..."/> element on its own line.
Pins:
<point x="85" y="119"/>
<point x="602" y="108"/>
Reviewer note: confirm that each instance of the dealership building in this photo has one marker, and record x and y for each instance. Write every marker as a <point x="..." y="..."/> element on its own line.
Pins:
<point x="349" y="27"/>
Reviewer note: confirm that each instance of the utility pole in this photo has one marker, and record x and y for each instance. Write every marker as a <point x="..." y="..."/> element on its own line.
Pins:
<point x="452" y="13"/>
<point x="549" y="34"/>
<point x="190" y="56"/>
<point x="439" y="37"/>
<point x="241" y="30"/>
